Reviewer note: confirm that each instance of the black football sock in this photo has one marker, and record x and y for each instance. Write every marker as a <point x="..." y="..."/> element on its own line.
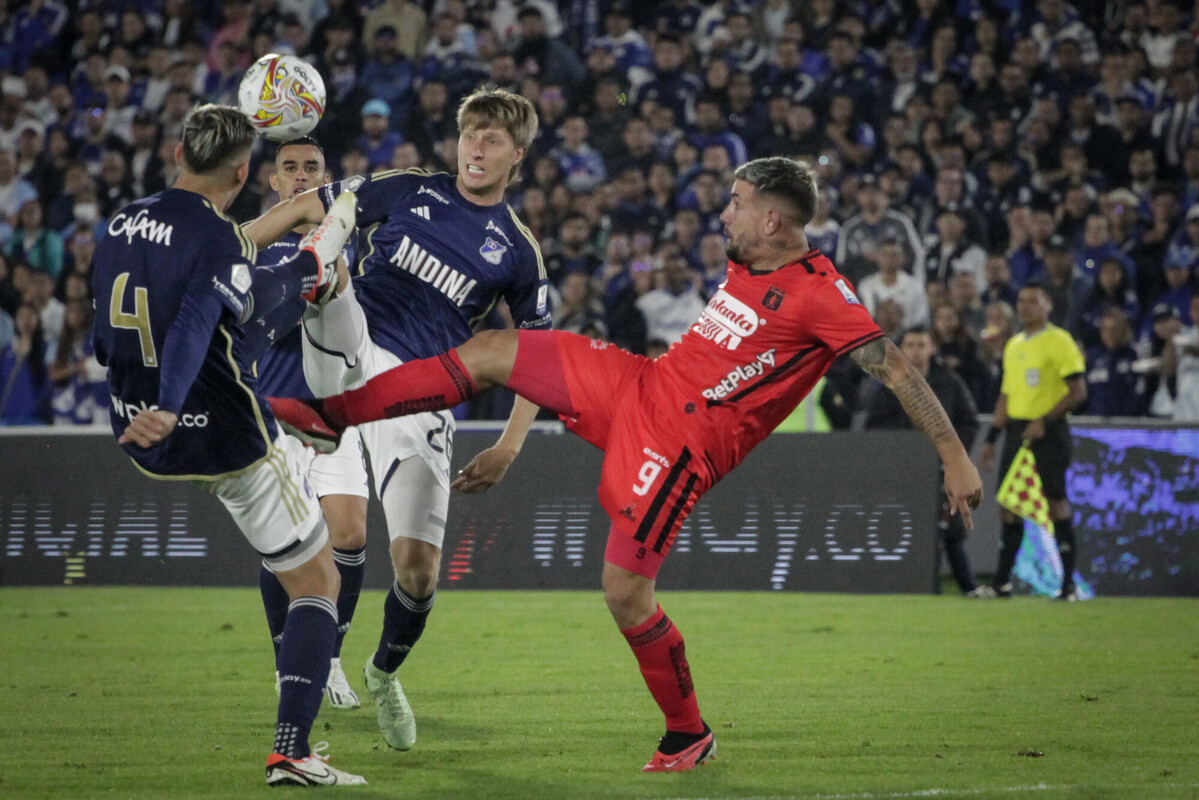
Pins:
<point x="274" y="602"/>
<point x="304" y="657"/>
<point x="404" y="618"/>
<point x="1012" y="536"/>
<point x="351" y="564"/>
<point x="1067" y="548"/>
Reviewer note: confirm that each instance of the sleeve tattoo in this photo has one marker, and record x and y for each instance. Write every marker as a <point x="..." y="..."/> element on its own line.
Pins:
<point x="884" y="361"/>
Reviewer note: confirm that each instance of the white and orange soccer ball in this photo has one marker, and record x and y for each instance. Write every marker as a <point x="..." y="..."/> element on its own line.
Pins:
<point x="284" y="96"/>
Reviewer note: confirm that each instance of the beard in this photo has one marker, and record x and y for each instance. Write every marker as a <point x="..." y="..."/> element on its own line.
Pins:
<point x="734" y="253"/>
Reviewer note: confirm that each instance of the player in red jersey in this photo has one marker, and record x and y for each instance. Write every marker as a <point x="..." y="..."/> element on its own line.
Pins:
<point x="671" y="427"/>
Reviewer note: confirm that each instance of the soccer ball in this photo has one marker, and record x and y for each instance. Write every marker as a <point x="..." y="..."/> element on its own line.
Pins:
<point x="283" y="96"/>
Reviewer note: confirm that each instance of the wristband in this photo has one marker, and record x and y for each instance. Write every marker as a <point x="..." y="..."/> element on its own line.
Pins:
<point x="993" y="434"/>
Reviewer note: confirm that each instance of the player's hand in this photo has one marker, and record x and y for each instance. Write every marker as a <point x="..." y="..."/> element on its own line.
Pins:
<point x="484" y="471"/>
<point x="1035" y="430"/>
<point x="964" y="488"/>
<point x="988" y="455"/>
<point x="149" y="427"/>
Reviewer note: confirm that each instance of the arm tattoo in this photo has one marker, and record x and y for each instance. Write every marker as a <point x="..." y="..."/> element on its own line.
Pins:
<point x="887" y="363"/>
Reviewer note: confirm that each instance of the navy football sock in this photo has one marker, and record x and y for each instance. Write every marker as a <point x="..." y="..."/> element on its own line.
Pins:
<point x="352" y="565"/>
<point x="404" y="619"/>
<point x="304" y="655"/>
<point x="275" y="602"/>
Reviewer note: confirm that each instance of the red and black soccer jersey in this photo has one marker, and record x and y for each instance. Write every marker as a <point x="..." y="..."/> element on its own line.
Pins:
<point x="761" y="344"/>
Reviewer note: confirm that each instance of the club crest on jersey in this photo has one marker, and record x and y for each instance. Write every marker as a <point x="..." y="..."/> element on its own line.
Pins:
<point x="241" y="277"/>
<point x="846" y="292"/>
<point x="492" y="251"/>
<point x="773" y="299"/>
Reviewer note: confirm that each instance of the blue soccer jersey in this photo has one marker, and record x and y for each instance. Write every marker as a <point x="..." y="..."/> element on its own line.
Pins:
<point x="172" y="281"/>
<point x="281" y="367"/>
<point x="436" y="263"/>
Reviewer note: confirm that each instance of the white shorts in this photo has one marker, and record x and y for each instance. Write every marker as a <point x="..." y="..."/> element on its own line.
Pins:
<point x="339" y="355"/>
<point x="343" y="471"/>
<point x="275" y="506"/>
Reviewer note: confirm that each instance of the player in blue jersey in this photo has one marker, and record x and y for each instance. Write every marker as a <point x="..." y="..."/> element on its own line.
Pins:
<point x="445" y="249"/>
<point x="174" y="286"/>
<point x="338" y="478"/>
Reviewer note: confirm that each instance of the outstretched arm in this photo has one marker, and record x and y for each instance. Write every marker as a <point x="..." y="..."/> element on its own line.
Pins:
<point x="887" y="363"/>
<point x="488" y="467"/>
<point x="302" y="209"/>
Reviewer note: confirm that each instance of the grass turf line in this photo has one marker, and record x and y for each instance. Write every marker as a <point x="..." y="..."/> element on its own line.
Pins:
<point x="146" y="693"/>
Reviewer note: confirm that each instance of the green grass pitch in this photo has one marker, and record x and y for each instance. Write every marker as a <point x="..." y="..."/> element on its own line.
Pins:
<point x="147" y="693"/>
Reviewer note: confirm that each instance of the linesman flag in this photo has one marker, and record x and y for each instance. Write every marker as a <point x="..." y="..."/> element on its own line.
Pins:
<point x="1021" y="492"/>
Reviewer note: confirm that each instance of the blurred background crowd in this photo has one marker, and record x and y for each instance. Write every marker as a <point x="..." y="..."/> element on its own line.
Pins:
<point x="965" y="148"/>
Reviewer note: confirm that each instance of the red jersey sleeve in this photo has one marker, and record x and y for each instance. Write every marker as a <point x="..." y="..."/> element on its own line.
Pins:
<point x="837" y="318"/>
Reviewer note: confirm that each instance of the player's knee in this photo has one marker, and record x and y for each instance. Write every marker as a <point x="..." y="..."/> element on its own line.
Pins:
<point x="416" y="566"/>
<point x="348" y="532"/>
<point x="630" y="601"/>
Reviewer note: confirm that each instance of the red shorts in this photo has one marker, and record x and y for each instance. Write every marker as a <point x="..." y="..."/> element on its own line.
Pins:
<point x="651" y="478"/>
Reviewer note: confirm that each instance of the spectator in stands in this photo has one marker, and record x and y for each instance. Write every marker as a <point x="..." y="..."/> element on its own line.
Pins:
<point x="79" y="394"/>
<point x="33" y="243"/>
<point x="957" y="347"/>
<point x="115" y="187"/>
<point x="1114" y="389"/>
<point x="1180" y="361"/>
<point x="431" y="122"/>
<point x="14" y="190"/>
<point x="1112" y="289"/>
<point x="951" y="186"/>
<point x="389" y="75"/>
<point x="861" y="233"/>
<point x="24" y="385"/>
<point x="1000" y="325"/>
<point x="377" y="141"/>
<point x="581" y="165"/>
<point x="573" y="250"/>
<point x="964" y="296"/>
<point x="824" y="230"/>
<point x="579" y="310"/>
<point x="1067" y="288"/>
<point x="671" y="309"/>
<point x="1097" y="246"/>
<point x="451" y="58"/>
<point x="538" y="53"/>
<point x="406" y="18"/>
<point x="951" y="250"/>
<point x="893" y="282"/>
<point x="671" y="84"/>
<point x="713" y="263"/>
<point x="627" y="45"/>
<point x="848" y="130"/>
<point x="1177" y="120"/>
<point x="999" y="281"/>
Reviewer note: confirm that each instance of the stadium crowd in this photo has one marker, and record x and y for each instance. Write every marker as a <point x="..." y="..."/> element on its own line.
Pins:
<point x="965" y="149"/>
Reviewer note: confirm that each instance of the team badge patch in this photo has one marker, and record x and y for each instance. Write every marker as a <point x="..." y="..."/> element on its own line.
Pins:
<point x="240" y="278"/>
<point x="773" y="299"/>
<point x="492" y="251"/>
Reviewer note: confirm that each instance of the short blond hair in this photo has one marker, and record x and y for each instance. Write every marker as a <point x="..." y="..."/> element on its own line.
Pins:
<point x="490" y="107"/>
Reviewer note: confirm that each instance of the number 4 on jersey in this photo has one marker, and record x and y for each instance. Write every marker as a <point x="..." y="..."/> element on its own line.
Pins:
<point x="138" y="321"/>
